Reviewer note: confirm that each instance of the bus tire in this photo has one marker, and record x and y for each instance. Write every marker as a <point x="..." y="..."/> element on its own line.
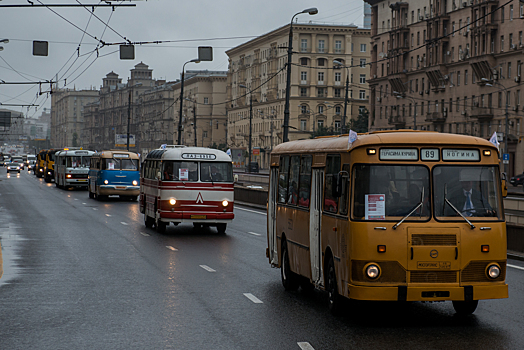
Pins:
<point x="289" y="278"/>
<point x="161" y="226"/>
<point x="148" y="221"/>
<point x="91" y="194"/>
<point x="465" y="307"/>
<point x="221" y="228"/>
<point x="334" y="299"/>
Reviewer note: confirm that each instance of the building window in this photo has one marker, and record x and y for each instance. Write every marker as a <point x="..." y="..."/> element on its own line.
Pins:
<point x="337" y="93"/>
<point x="321" y="78"/>
<point x="303" y="61"/>
<point x="321" y="46"/>
<point x="509" y="70"/>
<point x="363" y="62"/>
<point x="303" y="45"/>
<point x="362" y="94"/>
<point x="338" y="46"/>
<point x="337" y="109"/>
<point x="362" y="47"/>
<point x="206" y="100"/>
<point x="303" y="77"/>
<point x="502" y="41"/>
<point x="303" y="124"/>
<point x="303" y="109"/>
<point x="321" y="92"/>
<point x="337" y="125"/>
<point x="362" y="78"/>
<point x="320" y="124"/>
<point x="337" y="78"/>
<point x="303" y="92"/>
<point x="320" y="109"/>
<point x="321" y="62"/>
<point x="466" y="77"/>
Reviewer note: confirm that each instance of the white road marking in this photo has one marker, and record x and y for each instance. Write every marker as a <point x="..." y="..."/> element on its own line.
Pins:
<point x="108" y="215"/>
<point x="123" y="223"/>
<point x="76" y="199"/>
<point x="172" y="248"/>
<point x="255" y="234"/>
<point x="145" y="234"/>
<point x="253" y="211"/>
<point x="95" y="209"/>
<point x="84" y="203"/>
<point x="253" y="298"/>
<point x="207" y="268"/>
<point x="304" y="345"/>
<point x="516" y="267"/>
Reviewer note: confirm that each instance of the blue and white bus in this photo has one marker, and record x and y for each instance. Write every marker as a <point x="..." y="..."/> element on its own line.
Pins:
<point x="114" y="173"/>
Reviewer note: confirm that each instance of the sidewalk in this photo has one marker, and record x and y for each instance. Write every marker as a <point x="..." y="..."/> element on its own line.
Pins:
<point x="515" y="255"/>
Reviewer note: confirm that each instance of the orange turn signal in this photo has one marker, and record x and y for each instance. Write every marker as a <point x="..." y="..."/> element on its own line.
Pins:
<point x="484" y="248"/>
<point x="381" y="248"/>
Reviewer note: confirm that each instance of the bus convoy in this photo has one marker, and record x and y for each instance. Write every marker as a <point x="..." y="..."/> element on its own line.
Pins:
<point x="392" y="216"/>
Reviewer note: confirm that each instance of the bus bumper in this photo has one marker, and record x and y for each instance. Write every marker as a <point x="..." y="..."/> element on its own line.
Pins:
<point x="200" y="217"/>
<point x="106" y="190"/>
<point x="77" y="183"/>
<point x="428" y="293"/>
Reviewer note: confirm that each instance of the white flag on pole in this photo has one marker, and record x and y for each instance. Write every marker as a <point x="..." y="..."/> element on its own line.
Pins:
<point x="494" y="140"/>
<point x="228" y="152"/>
<point x="352" y="137"/>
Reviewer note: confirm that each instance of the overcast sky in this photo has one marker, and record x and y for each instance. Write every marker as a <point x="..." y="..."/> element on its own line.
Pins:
<point x="189" y="24"/>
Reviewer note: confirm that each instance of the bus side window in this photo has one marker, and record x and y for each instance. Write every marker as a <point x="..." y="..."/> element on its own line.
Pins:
<point x="344" y="197"/>
<point x="332" y="169"/>
<point x="304" y="187"/>
<point x="294" y="172"/>
<point x="283" y="179"/>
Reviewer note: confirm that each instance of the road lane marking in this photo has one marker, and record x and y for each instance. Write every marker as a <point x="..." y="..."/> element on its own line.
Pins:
<point x="145" y="234"/>
<point x="255" y="234"/>
<point x="516" y="267"/>
<point x="76" y="199"/>
<point x="304" y="345"/>
<point x="252" y="211"/>
<point x="207" y="268"/>
<point x="253" y="298"/>
<point x="172" y="248"/>
<point x="84" y="203"/>
<point x="95" y="209"/>
<point x="108" y="215"/>
<point x="123" y="223"/>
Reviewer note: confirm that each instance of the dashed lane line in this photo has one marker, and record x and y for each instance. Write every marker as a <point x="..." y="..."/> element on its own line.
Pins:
<point x="172" y="248"/>
<point x="207" y="268"/>
<point x="109" y="215"/>
<point x="516" y="267"/>
<point x="253" y="298"/>
<point x="254" y="234"/>
<point x="304" y="345"/>
<point x="252" y="211"/>
<point x="124" y="223"/>
<point x="145" y="234"/>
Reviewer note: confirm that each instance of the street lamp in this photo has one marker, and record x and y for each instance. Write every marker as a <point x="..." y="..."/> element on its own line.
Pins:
<point x="506" y="135"/>
<point x="129" y="111"/>
<point x="311" y="11"/>
<point x="340" y="64"/>
<point x="403" y="95"/>
<point x="3" y="41"/>
<point x="250" y="124"/>
<point x="195" y="60"/>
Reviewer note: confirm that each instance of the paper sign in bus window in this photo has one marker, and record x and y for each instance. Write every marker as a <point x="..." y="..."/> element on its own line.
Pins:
<point x="111" y="166"/>
<point x="375" y="207"/>
<point x="183" y="174"/>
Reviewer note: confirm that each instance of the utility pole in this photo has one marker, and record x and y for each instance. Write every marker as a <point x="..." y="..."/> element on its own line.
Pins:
<point x="194" y="123"/>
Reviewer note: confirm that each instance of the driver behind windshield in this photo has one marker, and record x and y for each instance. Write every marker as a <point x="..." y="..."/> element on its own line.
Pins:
<point x="468" y="200"/>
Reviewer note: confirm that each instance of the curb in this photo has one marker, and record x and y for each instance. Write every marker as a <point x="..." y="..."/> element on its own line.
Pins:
<point x="251" y="205"/>
<point x="515" y="256"/>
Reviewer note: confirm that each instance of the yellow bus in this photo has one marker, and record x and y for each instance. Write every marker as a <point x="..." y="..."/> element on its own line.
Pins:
<point x="395" y="216"/>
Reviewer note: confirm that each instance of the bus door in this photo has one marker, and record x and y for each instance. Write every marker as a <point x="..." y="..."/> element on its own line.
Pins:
<point x="272" y="217"/>
<point x="315" y="225"/>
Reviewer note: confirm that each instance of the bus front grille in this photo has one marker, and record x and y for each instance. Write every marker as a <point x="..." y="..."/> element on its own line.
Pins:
<point x="433" y="239"/>
<point x="433" y="277"/>
<point x="475" y="271"/>
<point x="391" y="272"/>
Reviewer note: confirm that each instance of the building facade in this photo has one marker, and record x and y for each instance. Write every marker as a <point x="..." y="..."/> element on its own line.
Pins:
<point x="449" y="66"/>
<point x="67" y="122"/>
<point x="324" y="55"/>
<point x="204" y="118"/>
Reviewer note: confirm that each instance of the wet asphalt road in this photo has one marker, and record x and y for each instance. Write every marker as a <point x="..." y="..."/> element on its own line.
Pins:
<point x="83" y="274"/>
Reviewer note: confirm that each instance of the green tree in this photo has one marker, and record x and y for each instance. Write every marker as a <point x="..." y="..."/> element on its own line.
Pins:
<point x="361" y="124"/>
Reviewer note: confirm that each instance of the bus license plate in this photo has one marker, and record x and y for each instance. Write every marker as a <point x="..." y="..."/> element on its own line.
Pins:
<point x="120" y="187"/>
<point x="82" y="180"/>
<point x="198" y="216"/>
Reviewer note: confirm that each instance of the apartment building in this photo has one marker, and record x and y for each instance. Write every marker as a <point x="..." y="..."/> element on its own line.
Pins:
<point x="324" y="55"/>
<point x="449" y="66"/>
<point x="67" y="122"/>
<point x="204" y="117"/>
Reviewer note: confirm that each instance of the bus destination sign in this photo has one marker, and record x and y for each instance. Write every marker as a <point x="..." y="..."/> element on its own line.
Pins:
<point x="398" y="154"/>
<point x="472" y="155"/>
<point x="198" y="156"/>
<point x="120" y="155"/>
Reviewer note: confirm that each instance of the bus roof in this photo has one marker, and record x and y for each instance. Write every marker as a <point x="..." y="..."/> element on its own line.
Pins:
<point x="379" y="138"/>
<point x="78" y="152"/>
<point x="109" y="154"/>
<point x="189" y="153"/>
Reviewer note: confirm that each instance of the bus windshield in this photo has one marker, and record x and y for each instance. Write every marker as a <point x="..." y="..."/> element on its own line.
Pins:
<point x="78" y="162"/>
<point x="120" y="164"/>
<point x="216" y="172"/>
<point x="470" y="190"/>
<point x="390" y="192"/>
<point x="180" y="171"/>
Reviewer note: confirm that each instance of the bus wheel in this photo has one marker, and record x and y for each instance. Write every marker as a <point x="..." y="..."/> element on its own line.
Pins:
<point x="148" y="221"/>
<point x="221" y="228"/>
<point x="334" y="300"/>
<point x="465" y="307"/>
<point x="161" y="226"/>
<point x="289" y="279"/>
<point x="91" y="194"/>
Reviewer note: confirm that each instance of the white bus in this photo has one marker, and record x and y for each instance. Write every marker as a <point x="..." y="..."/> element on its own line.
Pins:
<point x="72" y="167"/>
<point x="187" y="184"/>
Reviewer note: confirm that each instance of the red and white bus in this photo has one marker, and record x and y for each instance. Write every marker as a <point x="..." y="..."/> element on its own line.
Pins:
<point x="187" y="184"/>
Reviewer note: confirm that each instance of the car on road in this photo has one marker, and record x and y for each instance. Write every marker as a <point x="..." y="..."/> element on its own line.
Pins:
<point x="517" y="180"/>
<point x="12" y="167"/>
<point x="19" y="161"/>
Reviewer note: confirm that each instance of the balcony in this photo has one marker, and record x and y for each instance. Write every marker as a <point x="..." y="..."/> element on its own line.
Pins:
<point x="398" y="121"/>
<point x="481" y="113"/>
<point x="436" y="117"/>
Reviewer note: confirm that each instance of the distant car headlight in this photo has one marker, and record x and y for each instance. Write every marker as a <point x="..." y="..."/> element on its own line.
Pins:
<point x="172" y="201"/>
<point x="41" y="170"/>
<point x="17" y="168"/>
<point x="225" y="203"/>
<point x="106" y="182"/>
<point x="372" y="271"/>
<point x="135" y="183"/>
<point x="493" y="271"/>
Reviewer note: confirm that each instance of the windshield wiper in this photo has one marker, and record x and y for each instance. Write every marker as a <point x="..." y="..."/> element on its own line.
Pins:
<point x="453" y="207"/>
<point x="421" y="204"/>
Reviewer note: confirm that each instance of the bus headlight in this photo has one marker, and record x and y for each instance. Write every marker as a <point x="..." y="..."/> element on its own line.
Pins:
<point x="372" y="271"/>
<point x="68" y="176"/>
<point x="135" y="183"/>
<point x="493" y="271"/>
<point x="225" y="203"/>
<point x="172" y="201"/>
<point x="106" y="182"/>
